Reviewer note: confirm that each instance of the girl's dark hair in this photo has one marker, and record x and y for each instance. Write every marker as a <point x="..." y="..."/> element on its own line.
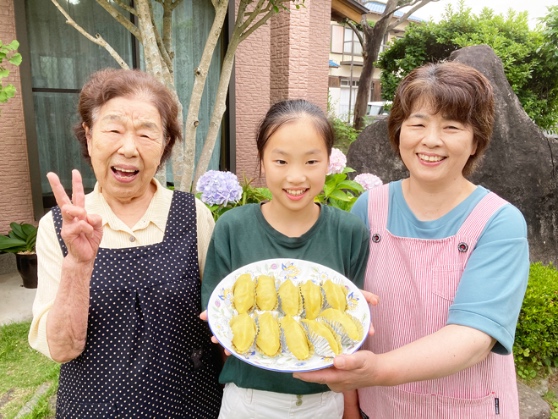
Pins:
<point x="460" y="92"/>
<point x="287" y="111"/>
<point x="110" y="83"/>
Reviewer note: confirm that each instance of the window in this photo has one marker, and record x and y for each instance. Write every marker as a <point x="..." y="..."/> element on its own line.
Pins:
<point x="351" y="44"/>
<point x="337" y="39"/>
<point x="62" y="60"/>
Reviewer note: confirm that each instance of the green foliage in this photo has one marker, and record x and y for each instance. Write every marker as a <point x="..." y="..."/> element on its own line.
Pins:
<point x="339" y="191"/>
<point x="8" y="52"/>
<point x="344" y="134"/>
<point x="536" y="338"/>
<point x="21" y="239"/>
<point x="529" y="57"/>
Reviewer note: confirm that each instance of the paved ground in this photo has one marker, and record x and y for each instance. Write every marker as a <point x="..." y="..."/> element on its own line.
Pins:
<point x="15" y="300"/>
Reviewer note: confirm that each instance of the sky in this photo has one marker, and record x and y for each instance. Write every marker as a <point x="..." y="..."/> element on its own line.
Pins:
<point x="535" y="8"/>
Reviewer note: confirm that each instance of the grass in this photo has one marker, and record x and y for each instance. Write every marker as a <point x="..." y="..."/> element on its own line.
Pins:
<point x="23" y="371"/>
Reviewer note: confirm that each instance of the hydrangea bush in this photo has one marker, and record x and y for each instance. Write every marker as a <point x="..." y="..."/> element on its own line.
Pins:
<point x="221" y="191"/>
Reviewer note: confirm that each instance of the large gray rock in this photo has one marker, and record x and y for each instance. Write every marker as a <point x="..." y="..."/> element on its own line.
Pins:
<point x="531" y="405"/>
<point x="520" y="164"/>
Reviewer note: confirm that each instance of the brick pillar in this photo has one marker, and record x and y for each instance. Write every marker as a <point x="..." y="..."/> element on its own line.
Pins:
<point x="285" y="59"/>
<point x="15" y="186"/>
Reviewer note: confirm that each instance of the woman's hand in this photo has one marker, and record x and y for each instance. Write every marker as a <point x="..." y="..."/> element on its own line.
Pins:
<point x="349" y="372"/>
<point x="81" y="232"/>
<point x="67" y="319"/>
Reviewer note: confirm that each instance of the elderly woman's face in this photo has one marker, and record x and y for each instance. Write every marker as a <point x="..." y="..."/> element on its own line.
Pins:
<point x="125" y="144"/>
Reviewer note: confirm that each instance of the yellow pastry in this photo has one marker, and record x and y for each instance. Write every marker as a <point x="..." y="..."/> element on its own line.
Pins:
<point x="312" y="299"/>
<point x="267" y="339"/>
<point x="266" y="293"/>
<point x="244" y="332"/>
<point x="290" y="299"/>
<point x="244" y="293"/>
<point x="335" y="295"/>
<point x="294" y="338"/>
<point x="343" y="324"/>
<point x="324" y="340"/>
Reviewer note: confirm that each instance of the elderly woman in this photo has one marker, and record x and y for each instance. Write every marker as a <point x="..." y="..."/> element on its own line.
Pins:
<point x="448" y="259"/>
<point x="118" y="298"/>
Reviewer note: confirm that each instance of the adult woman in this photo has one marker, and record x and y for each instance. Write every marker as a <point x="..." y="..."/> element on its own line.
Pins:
<point x="448" y="259"/>
<point x="119" y="280"/>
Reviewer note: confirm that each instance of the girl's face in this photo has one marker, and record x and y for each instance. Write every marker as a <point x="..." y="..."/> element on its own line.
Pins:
<point x="295" y="163"/>
<point x="433" y="148"/>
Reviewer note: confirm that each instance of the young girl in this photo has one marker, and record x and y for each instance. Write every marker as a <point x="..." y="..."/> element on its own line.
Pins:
<point x="294" y="143"/>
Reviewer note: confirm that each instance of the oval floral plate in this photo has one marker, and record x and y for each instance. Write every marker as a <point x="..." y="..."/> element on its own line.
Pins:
<point x="220" y="310"/>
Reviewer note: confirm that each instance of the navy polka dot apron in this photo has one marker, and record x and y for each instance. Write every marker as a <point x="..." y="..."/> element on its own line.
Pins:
<point x="147" y="354"/>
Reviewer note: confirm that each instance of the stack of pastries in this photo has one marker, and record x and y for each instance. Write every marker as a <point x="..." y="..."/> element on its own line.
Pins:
<point x="303" y="319"/>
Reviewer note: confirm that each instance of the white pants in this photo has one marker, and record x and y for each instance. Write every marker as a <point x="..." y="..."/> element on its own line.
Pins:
<point x="246" y="403"/>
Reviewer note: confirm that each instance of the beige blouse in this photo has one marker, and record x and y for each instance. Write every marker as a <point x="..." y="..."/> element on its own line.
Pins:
<point x="150" y="229"/>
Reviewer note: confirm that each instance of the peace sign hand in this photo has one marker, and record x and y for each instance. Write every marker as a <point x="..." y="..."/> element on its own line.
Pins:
<point x="81" y="232"/>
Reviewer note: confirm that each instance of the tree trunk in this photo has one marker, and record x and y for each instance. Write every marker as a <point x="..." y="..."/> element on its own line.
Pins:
<point x="218" y="109"/>
<point x="373" y="38"/>
<point x="200" y="76"/>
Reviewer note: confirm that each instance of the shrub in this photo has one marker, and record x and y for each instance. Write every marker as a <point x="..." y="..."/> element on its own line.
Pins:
<point x="536" y="338"/>
<point x="344" y="134"/>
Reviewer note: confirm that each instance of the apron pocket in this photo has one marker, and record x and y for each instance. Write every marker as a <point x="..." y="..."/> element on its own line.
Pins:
<point x="445" y="279"/>
<point x="402" y="404"/>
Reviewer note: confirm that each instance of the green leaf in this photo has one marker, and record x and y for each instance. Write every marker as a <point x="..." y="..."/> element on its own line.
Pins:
<point x="340" y="195"/>
<point x="13" y="45"/>
<point x="17" y="229"/>
<point x="15" y="59"/>
<point x="8" y="244"/>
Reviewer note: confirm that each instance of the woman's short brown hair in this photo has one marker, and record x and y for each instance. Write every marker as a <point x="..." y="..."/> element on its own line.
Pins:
<point x="460" y="92"/>
<point x="110" y="83"/>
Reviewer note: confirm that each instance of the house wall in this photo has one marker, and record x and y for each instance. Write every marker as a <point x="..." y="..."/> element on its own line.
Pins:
<point x="15" y="184"/>
<point x="285" y="59"/>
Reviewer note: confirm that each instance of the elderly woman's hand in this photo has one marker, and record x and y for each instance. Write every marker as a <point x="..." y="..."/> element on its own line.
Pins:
<point x="81" y="232"/>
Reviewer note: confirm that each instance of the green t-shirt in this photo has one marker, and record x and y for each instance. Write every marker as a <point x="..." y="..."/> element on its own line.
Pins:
<point x="338" y="240"/>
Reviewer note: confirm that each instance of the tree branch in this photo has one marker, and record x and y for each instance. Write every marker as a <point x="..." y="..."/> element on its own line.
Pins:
<point x="97" y="39"/>
<point x="407" y="14"/>
<point x="120" y="18"/>
<point x="124" y="6"/>
<point x="356" y="31"/>
<point x="165" y="51"/>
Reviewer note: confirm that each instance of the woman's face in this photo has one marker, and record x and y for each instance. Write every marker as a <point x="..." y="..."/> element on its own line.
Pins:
<point x="125" y="144"/>
<point x="295" y="163"/>
<point x="433" y="148"/>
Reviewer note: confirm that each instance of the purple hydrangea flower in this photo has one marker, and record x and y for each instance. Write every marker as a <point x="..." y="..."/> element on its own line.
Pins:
<point x="337" y="161"/>
<point x="219" y="188"/>
<point x="368" y="180"/>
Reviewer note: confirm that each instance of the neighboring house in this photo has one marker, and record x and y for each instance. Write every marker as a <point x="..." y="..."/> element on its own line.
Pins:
<point x="345" y="60"/>
<point x="286" y="58"/>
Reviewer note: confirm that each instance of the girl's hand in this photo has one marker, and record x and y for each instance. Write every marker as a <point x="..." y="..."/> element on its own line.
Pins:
<point x="203" y="316"/>
<point x="373" y="300"/>
<point x="81" y="232"/>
